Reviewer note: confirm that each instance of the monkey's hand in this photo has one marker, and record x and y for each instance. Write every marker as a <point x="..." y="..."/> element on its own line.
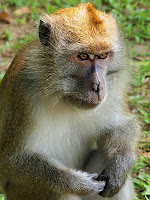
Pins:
<point x="86" y="184"/>
<point x="114" y="181"/>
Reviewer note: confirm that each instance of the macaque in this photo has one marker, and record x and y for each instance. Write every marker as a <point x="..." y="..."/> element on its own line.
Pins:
<point x="65" y="129"/>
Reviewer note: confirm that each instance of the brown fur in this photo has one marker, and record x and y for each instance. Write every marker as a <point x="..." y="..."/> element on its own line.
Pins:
<point x="87" y="22"/>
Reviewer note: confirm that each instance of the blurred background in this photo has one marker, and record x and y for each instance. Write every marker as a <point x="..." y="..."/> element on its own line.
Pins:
<point x="18" y="19"/>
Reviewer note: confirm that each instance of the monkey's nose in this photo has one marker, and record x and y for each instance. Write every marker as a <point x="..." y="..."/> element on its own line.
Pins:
<point x="96" y="86"/>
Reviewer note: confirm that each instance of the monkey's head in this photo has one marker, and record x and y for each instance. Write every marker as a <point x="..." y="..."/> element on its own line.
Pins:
<point x="85" y="49"/>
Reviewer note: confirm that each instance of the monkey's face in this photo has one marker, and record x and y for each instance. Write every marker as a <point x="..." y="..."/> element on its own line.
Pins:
<point x="83" y="78"/>
<point x="91" y="79"/>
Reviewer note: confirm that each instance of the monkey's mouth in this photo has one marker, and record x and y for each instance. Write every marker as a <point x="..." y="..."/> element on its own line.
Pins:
<point x="89" y="99"/>
<point x="85" y="103"/>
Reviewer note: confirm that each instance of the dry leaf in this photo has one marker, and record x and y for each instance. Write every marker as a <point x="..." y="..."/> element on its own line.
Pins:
<point x="5" y="17"/>
<point x="22" y="11"/>
<point x="147" y="154"/>
<point x="140" y="58"/>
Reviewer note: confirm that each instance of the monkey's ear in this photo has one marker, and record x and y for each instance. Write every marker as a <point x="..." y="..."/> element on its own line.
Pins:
<point x="44" y="32"/>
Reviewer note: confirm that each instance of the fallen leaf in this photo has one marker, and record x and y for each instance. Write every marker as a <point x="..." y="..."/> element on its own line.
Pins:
<point x="147" y="154"/>
<point x="22" y="11"/>
<point x="5" y="17"/>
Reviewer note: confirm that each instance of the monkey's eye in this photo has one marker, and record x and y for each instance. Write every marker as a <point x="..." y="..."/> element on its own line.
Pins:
<point x="102" y="56"/>
<point x="84" y="56"/>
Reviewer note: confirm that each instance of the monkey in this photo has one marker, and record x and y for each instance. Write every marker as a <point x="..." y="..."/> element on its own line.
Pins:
<point x="66" y="132"/>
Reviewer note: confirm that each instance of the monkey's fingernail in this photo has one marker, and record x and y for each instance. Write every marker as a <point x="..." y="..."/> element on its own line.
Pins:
<point x="94" y="176"/>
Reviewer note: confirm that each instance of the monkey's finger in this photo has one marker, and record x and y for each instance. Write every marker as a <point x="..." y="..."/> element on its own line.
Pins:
<point x="102" y="186"/>
<point x="93" y="176"/>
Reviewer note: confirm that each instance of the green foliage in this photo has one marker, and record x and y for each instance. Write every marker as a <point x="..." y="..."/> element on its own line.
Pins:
<point x="141" y="163"/>
<point x="21" y="42"/>
<point x="6" y="35"/>
<point x="1" y="76"/>
<point x="29" y="3"/>
<point x="5" y="47"/>
<point x="139" y="98"/>
<point x="22" y="20"/>
<point x="142" y="182"/>
<point x="134" y="17"/>
<point x="2" y="197"/>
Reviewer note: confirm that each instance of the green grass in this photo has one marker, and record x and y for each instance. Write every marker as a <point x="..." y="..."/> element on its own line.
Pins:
<point x="142" y="182"/>
<point x="1" y="76"/>
<point x="134" y="19"/>
<point x="2" y="197"/>
<point x="7" y="35"/>
<point x="139" y="97"/>
<point x="21" y="42"/>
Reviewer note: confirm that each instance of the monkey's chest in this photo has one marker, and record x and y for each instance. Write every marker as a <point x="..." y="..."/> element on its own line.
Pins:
<point x="60" y="141"/>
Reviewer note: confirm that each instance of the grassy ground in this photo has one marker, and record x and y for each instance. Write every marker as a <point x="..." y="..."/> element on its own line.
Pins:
<point x="134" y="18"/>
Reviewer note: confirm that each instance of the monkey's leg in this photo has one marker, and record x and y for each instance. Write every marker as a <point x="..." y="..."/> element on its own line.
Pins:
<point x="21" y="192"/>
<point x="97" y="163"/>
<point x="16" y="192"/>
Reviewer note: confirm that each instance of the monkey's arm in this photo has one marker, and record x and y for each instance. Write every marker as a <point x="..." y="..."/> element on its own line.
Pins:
<point x="28" y="168"/>
<point x="120" y="150"/>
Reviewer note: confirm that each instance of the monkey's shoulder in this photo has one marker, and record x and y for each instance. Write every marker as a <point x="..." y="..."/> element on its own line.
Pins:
<point x="18" y="62"/>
